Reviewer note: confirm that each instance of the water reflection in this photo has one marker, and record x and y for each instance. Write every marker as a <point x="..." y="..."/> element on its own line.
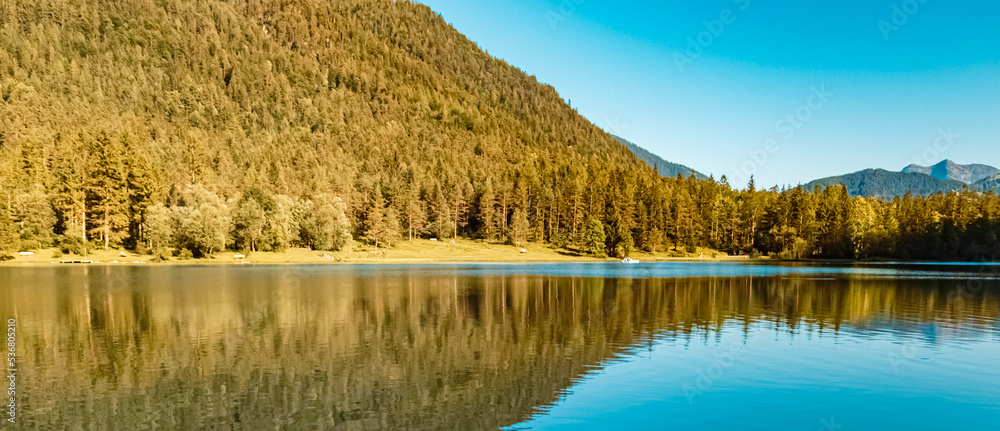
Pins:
<point x="360" y="348"/>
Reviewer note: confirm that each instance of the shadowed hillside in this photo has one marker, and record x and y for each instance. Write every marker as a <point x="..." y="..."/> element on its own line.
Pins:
<point x="991" y="183"/>
<point x="663" y="167"/>
<point x="884" y="184"/>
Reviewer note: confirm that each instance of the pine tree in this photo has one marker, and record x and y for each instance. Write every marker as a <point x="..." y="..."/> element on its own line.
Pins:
<point x="9" y="238"/>
<point x="375" y="229"/>
<point x="416" y="217"/>
<point x="106" y="190"/>
<point x="576" y="207"/>
<point x="70" y="200"/>
<point x="391" y="229"/>
<point x="519" y="228"/>
<point x="143" y="187"/>
<point x="656" y="239"/>
<point x="441" y="213"/>
<point x="413" y="208"/>
<point x="487" y="213"/>
<point x="459" y="204"/>
<point x="594" y="237"/>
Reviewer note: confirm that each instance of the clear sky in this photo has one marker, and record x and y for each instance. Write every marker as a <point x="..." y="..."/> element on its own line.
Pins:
<point x="789" y="91"/>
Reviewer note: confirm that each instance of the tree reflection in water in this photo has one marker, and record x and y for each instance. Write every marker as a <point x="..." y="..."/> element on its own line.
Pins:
<point x="308" y="348"/>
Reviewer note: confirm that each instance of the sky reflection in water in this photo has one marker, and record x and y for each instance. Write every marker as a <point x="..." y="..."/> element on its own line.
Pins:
<point x="557" y="346"/>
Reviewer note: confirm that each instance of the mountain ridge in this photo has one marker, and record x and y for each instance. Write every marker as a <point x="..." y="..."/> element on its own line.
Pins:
<point x="949" y="170"/>
<point x="915" y="179"/>
<point x="884" y="184"/>
<point x="991" y="183"/>
<point x="663" y="167"/>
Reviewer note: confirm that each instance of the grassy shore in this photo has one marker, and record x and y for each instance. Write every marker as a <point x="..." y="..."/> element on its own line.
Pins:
<point x="418" y="251"/>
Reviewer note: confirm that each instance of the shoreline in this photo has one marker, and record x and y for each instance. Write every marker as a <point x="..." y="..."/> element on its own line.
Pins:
<point x="386" y="261"/>
<point x="459" y="261"/>
<point x="421" y="253"/>
<point x="417" y="252"/>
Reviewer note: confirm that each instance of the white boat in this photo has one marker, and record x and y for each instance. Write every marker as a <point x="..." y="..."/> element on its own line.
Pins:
<point x="629" y="260"/>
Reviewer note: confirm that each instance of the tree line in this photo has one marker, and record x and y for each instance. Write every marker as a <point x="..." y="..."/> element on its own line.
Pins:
<point x="105" y="193"/>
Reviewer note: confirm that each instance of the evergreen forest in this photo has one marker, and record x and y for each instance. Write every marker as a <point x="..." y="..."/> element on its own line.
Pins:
<point x="193" y="127"/>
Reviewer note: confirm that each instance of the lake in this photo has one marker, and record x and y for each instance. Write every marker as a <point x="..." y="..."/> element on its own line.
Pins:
<point x="711" y="346"/>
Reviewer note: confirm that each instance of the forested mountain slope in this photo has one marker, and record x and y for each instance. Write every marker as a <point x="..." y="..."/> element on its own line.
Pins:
<point x="887" y="184"/>
<point x="370" y="101"/>
<point x="197" y="126"/>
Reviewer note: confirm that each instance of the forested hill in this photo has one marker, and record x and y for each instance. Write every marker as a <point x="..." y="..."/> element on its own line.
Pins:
<point x="991" y="183"/>
<point x="192" y="127"/>
<point x="663" y="167"/>
<point x="364" y="100"/>
<point x="887" y="184"/>
<point x="212" y="88"/>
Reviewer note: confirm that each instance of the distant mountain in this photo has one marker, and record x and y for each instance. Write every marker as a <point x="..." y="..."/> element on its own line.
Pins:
<point x="665" y="168"/>
<point x="885" y="184"/>
<point x="987" y="184"/>
<point x="949" y="170"/>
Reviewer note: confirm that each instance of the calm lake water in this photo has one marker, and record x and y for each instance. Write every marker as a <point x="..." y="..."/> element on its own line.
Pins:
<point x="466" y="347"/>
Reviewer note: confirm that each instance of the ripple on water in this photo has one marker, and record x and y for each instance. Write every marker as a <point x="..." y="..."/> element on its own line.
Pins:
<point x="567" y="346"/>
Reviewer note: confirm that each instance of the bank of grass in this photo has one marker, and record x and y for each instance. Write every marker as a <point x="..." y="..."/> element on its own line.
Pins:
<point x="417" y="251"/>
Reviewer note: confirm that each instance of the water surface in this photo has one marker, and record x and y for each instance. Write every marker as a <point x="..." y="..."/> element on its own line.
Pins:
<point x="543" y="346"/>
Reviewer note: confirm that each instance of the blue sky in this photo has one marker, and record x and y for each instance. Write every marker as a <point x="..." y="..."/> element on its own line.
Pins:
<point x="788" y="91"/>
